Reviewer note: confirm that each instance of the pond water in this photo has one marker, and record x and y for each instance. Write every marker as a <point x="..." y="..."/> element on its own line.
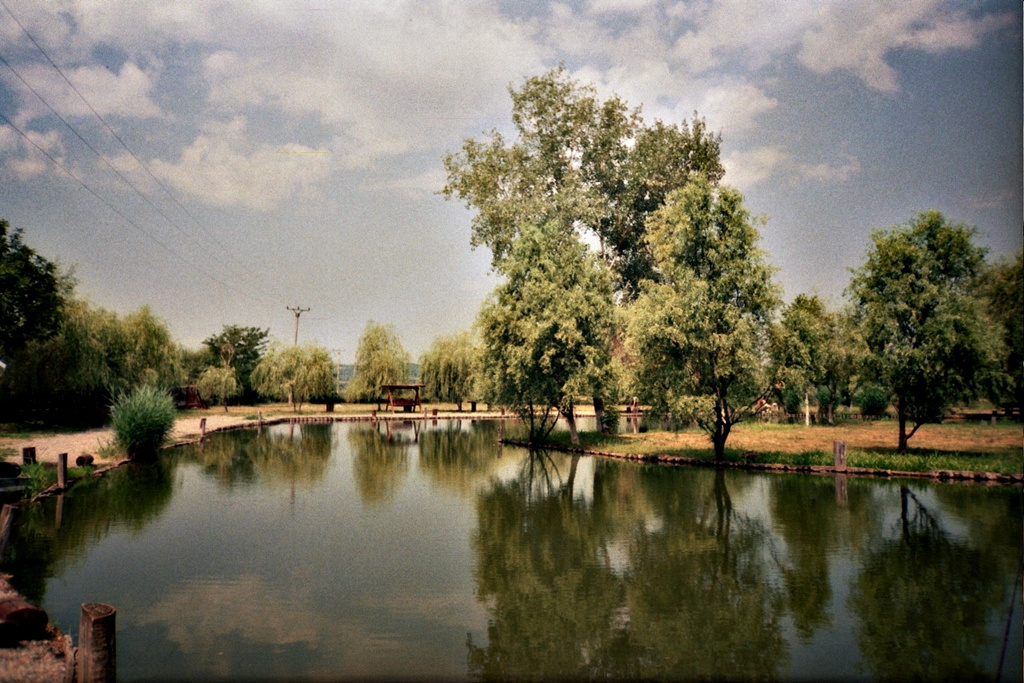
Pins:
<point x="422" y="550"/>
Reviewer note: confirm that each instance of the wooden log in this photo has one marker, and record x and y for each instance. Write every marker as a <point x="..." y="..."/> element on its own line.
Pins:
<point x="62" y="471"/>
<point x="28" y="455"/>
<point x="6" y="524"/>
<point x="83" y="460"/>
<point x="29" y="621"/>
<point x="839" y="455"/>
<point x="97" y="651"/>
<point x="9" y="470"/>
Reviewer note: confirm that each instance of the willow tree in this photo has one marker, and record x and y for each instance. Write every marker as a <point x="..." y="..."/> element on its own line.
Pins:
<point x="380" y="359"/>
<point x="295" y="372"/>
<point x="546" y="330"/>
<point x="928" y="339"/>
<point x="699" y="336"/>
<point x="94" y="356"/>
<point x="449" y="369"/>
<point x="218" y="384"/>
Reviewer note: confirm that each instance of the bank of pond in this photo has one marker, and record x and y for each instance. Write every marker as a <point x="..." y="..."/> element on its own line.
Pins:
<point x="426" y="549"/>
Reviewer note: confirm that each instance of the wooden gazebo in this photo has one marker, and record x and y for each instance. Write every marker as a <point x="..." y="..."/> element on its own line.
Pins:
<point x="399" y="396"/>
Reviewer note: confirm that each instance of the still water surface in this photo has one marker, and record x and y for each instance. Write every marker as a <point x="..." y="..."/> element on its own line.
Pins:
<point x="361" y="550"/>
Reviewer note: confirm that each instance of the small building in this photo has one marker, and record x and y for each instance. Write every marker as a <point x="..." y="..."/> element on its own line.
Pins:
<point x="404" y="396"/>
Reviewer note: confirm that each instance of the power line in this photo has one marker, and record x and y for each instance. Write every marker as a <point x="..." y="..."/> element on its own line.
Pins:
<point x="113" y="208"/>
<point x="241" y="268"/>
<point x="117" y="137"/>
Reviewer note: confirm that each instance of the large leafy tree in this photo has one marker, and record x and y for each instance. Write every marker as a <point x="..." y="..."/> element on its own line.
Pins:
<point x="32" y="294"/>
<point x="584" y="164"/>
<point x="699" y="337"/>
<point x="449" y="369"/>
<point x="925" y="332"/>
<point x="380" y="359"/>
<point x="295" y="373"/>
<point x="546" y="330"/>
<point x="239" y="348"/>
<point x="1001" y="288"/>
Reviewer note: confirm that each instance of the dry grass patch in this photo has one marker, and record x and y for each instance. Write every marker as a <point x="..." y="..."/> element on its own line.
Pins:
<point x="868" y="436"/>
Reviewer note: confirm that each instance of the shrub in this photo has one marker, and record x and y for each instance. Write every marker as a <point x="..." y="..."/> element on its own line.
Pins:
<point x="142" y="420"/>
<point x="872" y="400"/>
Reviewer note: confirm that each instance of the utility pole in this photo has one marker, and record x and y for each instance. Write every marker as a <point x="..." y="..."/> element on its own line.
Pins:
<point x="298" y="311"/>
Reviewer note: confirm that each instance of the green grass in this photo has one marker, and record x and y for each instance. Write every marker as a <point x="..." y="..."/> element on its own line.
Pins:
<point x="40" y="477"/>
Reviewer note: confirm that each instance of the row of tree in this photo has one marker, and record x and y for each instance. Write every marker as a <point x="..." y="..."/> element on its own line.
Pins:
<point x="677" y="303"/>
<point x="628" y="270"/>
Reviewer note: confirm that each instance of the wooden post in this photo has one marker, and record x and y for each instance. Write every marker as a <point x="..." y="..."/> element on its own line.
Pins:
<point x="202" y="429"/>
<point x="97" y="651"/>
<point x="839" y="455"/>
<point x="28" y="455"/>
<point x="6" y="524"/>
<point x="62" y="471"/>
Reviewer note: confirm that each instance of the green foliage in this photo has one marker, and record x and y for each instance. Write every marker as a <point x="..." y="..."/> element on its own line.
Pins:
<point x="241" y="349"/>
<point x="95" y="356"/>
<point x="813" y="347"/>
<point x="872" y="400"/>
<point x="32" y="294"/>
<point x="142" y="421"/>
<point x="928" y="340"/>
<point x="1001" y="288"/>
<point x="546" y="330"/>
<point x="583" y="164"/>
<point x="450" y="369"/>
<point x="380" y="360"/>
<point x="218" y="385"/>
<point x="295" y="373"/>
<point x="699" y="337"/>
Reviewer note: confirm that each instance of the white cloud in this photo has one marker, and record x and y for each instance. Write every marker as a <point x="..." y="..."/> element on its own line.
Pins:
<point x="748" y="168"/>
<point x="22" y="158"/>
<point x="827" y="172"/>
<point x="125" y="93"/>
<point x="857" y="36"/>
<point x="224" y="167"/>
<point x="734" y="106"/>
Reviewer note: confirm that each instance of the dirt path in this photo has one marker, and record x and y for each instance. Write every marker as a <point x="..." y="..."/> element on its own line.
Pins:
<point x="94" y="441"/>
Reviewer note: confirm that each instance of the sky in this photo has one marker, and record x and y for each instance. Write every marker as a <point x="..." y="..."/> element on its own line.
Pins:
<point x="221" y="162"/>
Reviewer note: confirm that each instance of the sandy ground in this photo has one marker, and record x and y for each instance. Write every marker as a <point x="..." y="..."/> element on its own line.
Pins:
<point x="91" y="442"/>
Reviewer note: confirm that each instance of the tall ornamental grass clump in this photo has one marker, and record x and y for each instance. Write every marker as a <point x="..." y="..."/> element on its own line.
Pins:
<point x="142" y="420"/>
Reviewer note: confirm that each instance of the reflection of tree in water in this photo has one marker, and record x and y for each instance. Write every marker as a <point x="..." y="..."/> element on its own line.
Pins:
<point x="456" y="459"/>
<point x="923" y="601"/>
<point x="698" y="594"/>
<point x="129" y="497"/>
<point x="687" y="600"/>
<point x="812" y="524"/>
<point x="552" y="603"/>
<point x="295" y="457"/>
<point x="378" y="466"/>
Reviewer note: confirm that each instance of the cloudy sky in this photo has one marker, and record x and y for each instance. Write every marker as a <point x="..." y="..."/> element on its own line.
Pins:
<point x="221" y="161"/>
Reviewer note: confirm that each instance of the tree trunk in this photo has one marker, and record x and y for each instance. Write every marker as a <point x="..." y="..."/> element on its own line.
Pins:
<point x="807" y="407"/>
<point x="570" y="417"/>
<point x="902" y="447"/>
<point x="599" y="414"/>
